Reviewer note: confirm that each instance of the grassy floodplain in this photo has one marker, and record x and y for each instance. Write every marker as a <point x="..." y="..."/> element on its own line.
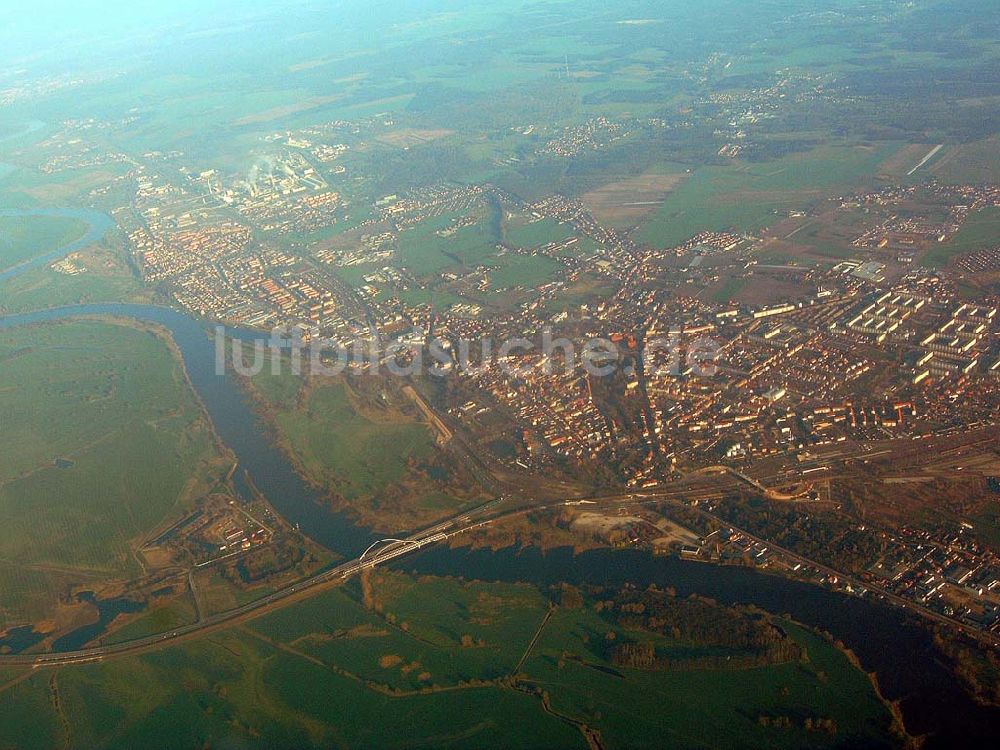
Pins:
<point x="347" y="449"/>
<point x="106" y="280"/>
<point x="364" y="445"/>
<point x="524" y="270"/>
<point x="683" y="708"/>
<point x="101" y="274"/>
<point x="396" y="657"/>
<point x="28" y="237"/>
<point x="103" y="440"/>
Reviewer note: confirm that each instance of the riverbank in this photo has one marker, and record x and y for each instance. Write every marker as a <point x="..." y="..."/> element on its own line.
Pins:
<point x="98" y="225"/>
<point x="887" y="641"/>
<point x="235" y="422"/>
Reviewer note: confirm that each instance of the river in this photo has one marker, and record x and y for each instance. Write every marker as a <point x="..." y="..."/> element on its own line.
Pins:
<point x="887" y="640"/>
<point x="235" y="421"/>
<point x="98" y="224"/>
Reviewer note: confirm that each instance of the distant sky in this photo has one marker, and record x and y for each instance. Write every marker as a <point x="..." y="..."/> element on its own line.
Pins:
<point x="29" y="28"/>
<point x="63" y="31"/>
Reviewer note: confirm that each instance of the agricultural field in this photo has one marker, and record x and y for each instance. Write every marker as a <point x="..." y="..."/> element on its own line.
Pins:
<point x="104" y="441"/>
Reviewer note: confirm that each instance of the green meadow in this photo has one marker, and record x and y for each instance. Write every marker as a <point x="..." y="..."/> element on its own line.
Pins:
<point x="366" y="446"/>
<point x="524" y="270"/>
<point x="532" y="234"/>
<point x="23" y="238"/>
<point x="981" y="231"/>
<point x="342" y="448"/>
<point x="42" y="288"/>
<point x="426" y="253"/>
<point x="976" y="163"/>
<point x="729" y="289"/>
<point x="698" y="708"/>
<point x="104" y="275"/>
<point x="747" y="197"/>
<point x="402" y="661"/>
<point x="111" y="405"/>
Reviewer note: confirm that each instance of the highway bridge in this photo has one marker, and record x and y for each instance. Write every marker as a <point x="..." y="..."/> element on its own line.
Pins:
<point x="393" y="548"/>
<point x="379" y="553"/>
<point x="390" y="550"/>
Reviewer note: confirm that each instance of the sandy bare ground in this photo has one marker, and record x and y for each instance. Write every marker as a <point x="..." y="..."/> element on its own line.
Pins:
<point x="411" y="137"/>
<point x="276" y="113"/>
